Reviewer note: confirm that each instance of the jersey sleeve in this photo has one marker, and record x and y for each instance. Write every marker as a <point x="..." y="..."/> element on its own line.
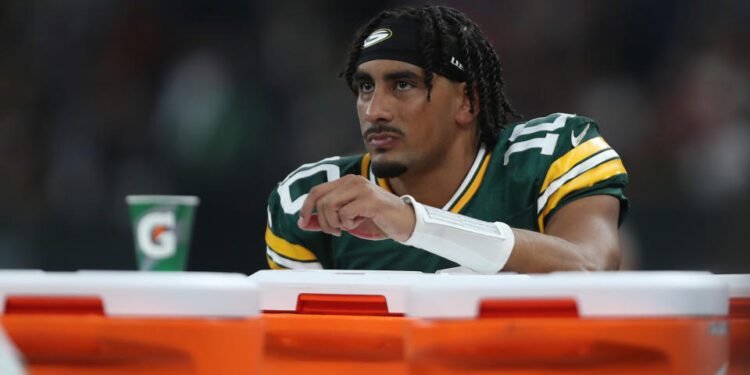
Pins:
<point x="583" y="164"/>
<point x="288" y="246"/>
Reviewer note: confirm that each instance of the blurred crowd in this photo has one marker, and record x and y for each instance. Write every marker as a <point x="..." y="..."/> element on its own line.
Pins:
<point x="101" y="99"/>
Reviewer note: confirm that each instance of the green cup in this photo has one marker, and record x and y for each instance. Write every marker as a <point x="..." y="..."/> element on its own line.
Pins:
<point x="162" y="227"/>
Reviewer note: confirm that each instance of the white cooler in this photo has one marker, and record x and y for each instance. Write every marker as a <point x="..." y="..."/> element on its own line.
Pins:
<point x="11" y="362"/>
<point x="570" y="323"/>
<point x="331" y="321"/>
<point x="121" y="322"/>
<point x="739" y="322"/>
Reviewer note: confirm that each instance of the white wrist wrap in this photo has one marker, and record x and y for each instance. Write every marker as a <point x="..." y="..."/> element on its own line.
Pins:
<point x="481" y="246"/>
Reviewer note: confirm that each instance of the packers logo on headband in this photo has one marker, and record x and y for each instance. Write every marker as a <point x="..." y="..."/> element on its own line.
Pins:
<point x="376" y="37"/>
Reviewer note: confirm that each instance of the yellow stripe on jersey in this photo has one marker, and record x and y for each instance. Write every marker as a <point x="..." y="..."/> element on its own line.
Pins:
<point x="573" y="157"/>
<point x="273" y="264"/>
<point x="382" y="182"/>
<point x="289" y="250"/>
<point x="365" y="172"/>
<point x="473" y="187"/>
<point x="365" y="168"/>
<point x="589" y="178"/>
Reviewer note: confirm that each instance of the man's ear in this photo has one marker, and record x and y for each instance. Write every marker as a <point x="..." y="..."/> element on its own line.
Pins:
<point x="464" y="115"/>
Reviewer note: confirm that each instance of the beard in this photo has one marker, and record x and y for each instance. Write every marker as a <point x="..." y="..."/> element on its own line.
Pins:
<point x="388" y="169"/>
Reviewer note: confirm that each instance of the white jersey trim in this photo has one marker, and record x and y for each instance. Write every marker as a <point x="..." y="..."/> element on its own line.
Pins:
<point x="558" y="123"/>
<point x="292" y="264"/>
<point x="468" y="178"/>
<point x="303" y="166"/>
<point x="573" y="173"/>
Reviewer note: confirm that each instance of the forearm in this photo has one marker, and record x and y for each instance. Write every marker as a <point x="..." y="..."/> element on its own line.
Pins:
<point x="479" y="245"/>
<point x="581" y="236"/>
<point x="536" y="252"/>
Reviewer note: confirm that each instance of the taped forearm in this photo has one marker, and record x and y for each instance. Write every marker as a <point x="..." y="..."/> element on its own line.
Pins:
<point x="484" y="247"/>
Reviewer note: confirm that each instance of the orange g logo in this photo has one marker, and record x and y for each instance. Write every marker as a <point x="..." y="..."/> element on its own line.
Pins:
<point x="156" y="236"/>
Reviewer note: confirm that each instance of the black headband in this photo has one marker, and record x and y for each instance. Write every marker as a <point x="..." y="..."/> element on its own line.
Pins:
<point x="399" y="39"/>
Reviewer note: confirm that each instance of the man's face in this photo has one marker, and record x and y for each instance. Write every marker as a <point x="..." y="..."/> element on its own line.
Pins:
<point x="401" y="129"/>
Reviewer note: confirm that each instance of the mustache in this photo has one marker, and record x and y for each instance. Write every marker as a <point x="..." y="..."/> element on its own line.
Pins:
<point x="379" y="128"/>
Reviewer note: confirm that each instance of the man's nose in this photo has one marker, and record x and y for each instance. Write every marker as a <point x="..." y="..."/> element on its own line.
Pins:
<point x="379" y="107"/>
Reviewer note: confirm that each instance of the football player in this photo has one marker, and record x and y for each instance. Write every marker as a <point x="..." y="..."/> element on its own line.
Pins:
<point x="444" y="182"/>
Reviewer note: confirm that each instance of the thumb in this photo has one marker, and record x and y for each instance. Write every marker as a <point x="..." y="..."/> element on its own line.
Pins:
<point x="366" y="229"/>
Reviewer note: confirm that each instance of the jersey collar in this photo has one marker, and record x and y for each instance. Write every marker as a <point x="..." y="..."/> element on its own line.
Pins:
<point x="463" y="194"/>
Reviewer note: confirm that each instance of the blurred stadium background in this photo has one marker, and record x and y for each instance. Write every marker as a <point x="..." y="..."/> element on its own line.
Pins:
<point x="104" y="98"/>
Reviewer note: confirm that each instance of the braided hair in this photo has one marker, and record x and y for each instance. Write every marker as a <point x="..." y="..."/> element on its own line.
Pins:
<point x="440" y="26"/>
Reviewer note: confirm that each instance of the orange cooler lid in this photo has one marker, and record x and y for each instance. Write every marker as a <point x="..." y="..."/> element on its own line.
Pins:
<point x="129" y="293"/>
<point x="581" y="294"/>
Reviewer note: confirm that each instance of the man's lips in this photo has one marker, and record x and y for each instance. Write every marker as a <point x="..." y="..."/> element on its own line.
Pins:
<point x="383" y="140"/>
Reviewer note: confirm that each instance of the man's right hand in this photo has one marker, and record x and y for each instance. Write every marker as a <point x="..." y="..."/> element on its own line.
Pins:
<point x="356" y="205"/>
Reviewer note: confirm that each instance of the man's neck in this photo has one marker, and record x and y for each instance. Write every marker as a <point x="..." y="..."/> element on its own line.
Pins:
<point x="435" y="186"/>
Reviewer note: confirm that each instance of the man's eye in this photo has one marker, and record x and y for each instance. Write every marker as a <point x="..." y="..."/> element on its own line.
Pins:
<point x="366" y="86"/>
<point x="403" y="85"/>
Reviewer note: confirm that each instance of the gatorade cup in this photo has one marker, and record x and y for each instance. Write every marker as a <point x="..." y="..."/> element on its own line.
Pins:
<point x="162" y="227"/>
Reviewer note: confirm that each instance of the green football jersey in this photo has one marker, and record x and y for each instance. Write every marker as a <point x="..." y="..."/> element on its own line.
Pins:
<point x="535" y="169"/>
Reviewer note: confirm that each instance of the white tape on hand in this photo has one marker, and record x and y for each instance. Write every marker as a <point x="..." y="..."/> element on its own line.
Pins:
<point x="479" y="245"/>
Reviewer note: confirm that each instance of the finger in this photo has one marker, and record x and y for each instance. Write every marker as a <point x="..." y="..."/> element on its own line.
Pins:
<point x="311" y="225"/>
<point x="312" y="199"/>
<point x="347" y="189"/>
<point x="332" y="218"/>
<point x="357" y="220"/>
<point x="387" y="212"/>
<point x="351" y="223"/>
<point x="327" y="217"/>
<point x="352" y="213"/>
<point x="330" y="205"/>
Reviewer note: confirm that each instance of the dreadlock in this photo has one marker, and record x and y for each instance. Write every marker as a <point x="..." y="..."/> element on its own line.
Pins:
<point x="439" y="25"/>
